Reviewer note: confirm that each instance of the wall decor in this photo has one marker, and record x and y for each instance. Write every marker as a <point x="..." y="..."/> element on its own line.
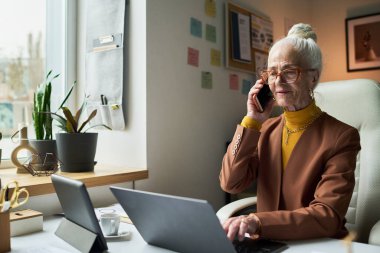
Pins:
<point x="363" y="42"/>
<point x="248" y="39"/>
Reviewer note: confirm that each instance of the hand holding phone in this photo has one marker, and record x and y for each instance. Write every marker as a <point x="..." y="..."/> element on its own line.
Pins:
<point x="262" y="98"/>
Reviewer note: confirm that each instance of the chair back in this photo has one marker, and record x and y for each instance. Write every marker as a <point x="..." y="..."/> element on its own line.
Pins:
<point x="357" y="103"/>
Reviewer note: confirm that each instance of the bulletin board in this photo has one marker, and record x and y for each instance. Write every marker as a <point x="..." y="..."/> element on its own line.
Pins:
<point x="248" y="39"/>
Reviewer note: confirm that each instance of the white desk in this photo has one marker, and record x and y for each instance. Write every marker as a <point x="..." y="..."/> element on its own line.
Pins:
<point x="46" y="242"/>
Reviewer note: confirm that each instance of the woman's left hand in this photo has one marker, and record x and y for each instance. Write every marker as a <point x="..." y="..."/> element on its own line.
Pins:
<point x="239" y="226"/>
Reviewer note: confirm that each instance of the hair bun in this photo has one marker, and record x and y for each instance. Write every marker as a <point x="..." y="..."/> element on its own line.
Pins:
<point x="304" y="31"/>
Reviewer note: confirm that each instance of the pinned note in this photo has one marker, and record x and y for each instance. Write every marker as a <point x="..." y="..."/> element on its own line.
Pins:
<point x="210" y="8"/>
<point x="234" y="82"/>
<point x="196" y="27"/>
<point x="215" y="57"/>
<point x="211" y="33"/>
<point x="192" y="56"/>
<point x="206" y="80"/>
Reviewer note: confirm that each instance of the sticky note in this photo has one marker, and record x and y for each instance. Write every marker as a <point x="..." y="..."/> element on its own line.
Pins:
<point x="192" y="56"/>
<point x="196" y="27"/>
<point x="210" y="8"/>
<point x="246" y="86"/>
<point x="206" y="80"/>
<point x="211" y="33"/>
<point x="234" y="82"/>
<point x="215" y="57"/>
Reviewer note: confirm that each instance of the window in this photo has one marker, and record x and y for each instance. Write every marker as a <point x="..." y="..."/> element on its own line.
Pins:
<point x="22" y="59"/>
<point x="37" y="36"/>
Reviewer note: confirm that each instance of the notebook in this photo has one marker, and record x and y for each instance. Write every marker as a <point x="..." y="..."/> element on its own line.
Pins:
<point x="182" y="224"/>
<point x="77" y="207"/>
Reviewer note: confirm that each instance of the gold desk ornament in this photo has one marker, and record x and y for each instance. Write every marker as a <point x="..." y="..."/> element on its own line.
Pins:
<point x="23" y="145"/>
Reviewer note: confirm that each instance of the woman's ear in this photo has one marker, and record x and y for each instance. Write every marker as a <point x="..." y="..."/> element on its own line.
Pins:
<point x="315" y="77"/>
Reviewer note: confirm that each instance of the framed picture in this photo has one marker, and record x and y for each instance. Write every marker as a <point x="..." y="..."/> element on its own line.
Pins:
<point x="363" y="42"/>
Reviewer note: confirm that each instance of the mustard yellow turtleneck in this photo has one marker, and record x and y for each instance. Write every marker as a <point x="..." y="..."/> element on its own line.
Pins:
<point x="294" y="120"/>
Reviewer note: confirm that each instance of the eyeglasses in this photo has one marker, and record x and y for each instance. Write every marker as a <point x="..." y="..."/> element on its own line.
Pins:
<point x="289" y="76"/>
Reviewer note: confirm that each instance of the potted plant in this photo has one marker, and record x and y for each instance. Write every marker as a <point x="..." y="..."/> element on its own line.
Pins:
<point x="42" y="121"/>
<point x="75" y="146"/>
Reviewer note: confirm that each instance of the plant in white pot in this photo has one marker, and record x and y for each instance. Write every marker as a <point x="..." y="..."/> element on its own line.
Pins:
<point x="75" y="146"/>
<point x="42" y="120"/>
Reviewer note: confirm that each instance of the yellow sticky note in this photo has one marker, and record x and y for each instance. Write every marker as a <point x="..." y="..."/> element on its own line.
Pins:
<point x="215" y="57"/>
<point x="210" y="8"/>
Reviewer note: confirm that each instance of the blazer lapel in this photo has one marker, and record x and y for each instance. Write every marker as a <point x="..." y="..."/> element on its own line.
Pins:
<point x="276" y="157"/>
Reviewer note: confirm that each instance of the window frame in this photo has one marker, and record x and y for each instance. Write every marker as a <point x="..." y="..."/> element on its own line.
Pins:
<point x="61" y="51"/>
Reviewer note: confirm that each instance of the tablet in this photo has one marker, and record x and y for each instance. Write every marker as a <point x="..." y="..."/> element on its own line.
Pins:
<point x="77" y="207"/>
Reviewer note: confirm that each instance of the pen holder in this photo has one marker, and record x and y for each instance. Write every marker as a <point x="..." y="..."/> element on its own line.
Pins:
<point x="5" y="232"/>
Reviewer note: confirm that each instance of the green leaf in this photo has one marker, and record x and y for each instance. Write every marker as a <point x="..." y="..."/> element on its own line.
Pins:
<point x="67" y="95"/>
<point x="48" y="74"/>
<point x="71" y="123"/>
<point x="79" y="112"/>
<point x="41" y="99"/>
<point x="97" y="125"/>
<point x="92" y="115"/>
<point x="61" y="120"/>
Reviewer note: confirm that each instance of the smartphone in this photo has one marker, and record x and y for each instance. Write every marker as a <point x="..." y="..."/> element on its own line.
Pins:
<point x="262" y="98"/>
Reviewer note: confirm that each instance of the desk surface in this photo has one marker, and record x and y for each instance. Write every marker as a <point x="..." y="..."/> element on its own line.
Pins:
<point x="47" y="242"/>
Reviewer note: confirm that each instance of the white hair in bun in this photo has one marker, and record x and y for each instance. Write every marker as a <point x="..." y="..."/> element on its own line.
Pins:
<point x="304" y="41"/>
<point x="302" y="31"/>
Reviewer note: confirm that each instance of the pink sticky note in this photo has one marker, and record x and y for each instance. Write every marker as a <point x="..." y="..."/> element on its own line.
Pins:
<point x="192" y="56"/>
<point x="234" y="82"/>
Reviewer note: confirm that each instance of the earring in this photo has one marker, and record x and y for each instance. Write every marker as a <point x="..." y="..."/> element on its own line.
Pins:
<point x="311" y="94"/>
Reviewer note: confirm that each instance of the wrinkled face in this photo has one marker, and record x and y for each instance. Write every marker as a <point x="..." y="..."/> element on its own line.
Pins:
<point x="291" y="96"/>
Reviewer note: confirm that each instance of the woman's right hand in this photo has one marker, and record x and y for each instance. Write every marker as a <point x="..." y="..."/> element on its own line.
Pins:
<point x="252" y="111"/>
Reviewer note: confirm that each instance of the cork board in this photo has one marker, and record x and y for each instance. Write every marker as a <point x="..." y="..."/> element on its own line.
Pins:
<point x="249" y="37"/>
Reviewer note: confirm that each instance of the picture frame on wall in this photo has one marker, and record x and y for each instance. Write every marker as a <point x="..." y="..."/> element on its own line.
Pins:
<point x="363" y="42"/>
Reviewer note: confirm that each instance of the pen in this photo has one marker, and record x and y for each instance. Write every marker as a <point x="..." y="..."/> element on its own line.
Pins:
<point x="103" y="99"/>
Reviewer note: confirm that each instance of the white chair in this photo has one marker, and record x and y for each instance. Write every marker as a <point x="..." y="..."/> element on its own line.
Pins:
<point x="357" y="103"/>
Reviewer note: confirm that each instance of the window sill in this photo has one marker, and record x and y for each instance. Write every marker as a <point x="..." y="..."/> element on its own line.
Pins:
<point x="102" y="175"/>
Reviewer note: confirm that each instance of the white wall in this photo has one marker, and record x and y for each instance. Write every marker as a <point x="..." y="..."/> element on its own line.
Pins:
<point x="328" y="17"/>
<point x="187" y="126"/>
<point x="126" y="147"/>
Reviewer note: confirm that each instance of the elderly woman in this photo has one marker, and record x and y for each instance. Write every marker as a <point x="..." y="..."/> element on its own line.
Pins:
<point x="303" y="160"/>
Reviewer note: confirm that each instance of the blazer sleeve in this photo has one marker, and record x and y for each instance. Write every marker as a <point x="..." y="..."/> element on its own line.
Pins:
<point x="240" y="163"/>
<point x="325" y="215"/>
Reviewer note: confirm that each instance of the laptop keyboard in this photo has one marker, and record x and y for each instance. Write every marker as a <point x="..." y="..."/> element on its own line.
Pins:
<point x="258" y="246"/>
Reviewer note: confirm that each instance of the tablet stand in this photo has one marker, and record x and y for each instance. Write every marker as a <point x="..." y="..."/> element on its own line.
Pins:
<point x="78" y="237"/>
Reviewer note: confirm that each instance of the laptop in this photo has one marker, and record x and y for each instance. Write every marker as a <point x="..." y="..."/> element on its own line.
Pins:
<point x="77" y="208"/>
<point x="183" y="224"/>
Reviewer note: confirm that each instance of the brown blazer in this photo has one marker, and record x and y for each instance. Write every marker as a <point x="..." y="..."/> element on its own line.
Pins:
<point x="310" y="197"/>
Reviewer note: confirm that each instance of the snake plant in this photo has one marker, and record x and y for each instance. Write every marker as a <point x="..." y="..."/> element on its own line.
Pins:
<point x="43" y="120"/>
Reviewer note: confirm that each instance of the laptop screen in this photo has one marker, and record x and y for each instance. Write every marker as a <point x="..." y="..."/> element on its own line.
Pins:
<point x="176" y="223"/>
